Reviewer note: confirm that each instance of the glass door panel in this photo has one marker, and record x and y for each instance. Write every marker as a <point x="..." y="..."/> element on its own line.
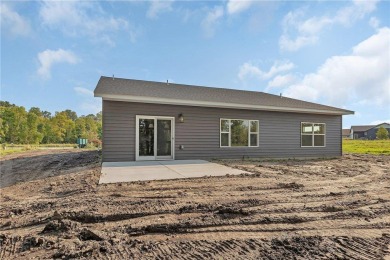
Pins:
<point x="164" y="137"/>
<point x="155" y="138"/>
<point x="146" y="137"/>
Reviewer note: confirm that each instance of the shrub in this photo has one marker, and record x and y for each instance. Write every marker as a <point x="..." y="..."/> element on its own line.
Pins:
<point x="382" y="133"/>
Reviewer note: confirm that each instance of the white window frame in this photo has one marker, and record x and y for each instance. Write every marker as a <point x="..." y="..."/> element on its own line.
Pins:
<point x="230" y="131"/>
<point x="313" y="134"/>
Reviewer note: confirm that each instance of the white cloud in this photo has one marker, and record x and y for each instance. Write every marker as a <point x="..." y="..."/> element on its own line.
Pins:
<point x="13" y="22"/>
<point x="288" y="44"/>
<point x="281" y="80"/>
<point x="233" y="7"/>
<point x="250" y="70"/>
<point x="159" y="6"/>
<point x="374" y="22"/>
<point x="89" y="104"/>
<point x="356" y="11"/>
<point x="314" y="25"/>
<point x="211" y="20"/>
<point x="48" y="58"/>
<point x="82" y="18"/>
<point x="236" y="6"/>
<point x="305" y="30"/>
<point x="377" y="122"/>
<point x="362" y="77"/>
<point x="83" y="91"/>
<point x="299" y="32"/>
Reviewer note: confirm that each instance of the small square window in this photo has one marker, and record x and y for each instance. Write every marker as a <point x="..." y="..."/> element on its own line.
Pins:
<point x="313" y="134"/>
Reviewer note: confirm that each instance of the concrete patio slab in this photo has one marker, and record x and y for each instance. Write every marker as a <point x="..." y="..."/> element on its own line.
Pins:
<point x="113" y="172"/>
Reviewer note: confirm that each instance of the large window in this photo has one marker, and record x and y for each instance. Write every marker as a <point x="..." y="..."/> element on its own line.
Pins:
<point x="239" y="133"/>
<point x="312" y="134"/>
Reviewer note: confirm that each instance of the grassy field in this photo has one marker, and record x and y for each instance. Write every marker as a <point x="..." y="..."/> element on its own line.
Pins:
<point x="366" y="146"/>
<point x="349" y="146"/>
<point x="18" y="148"/>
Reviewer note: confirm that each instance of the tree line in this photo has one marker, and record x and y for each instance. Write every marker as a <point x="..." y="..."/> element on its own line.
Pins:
<point x="19" y="126"/>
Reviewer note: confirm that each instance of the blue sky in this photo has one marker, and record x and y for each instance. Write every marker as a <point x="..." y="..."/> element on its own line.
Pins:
<point x="335" y="53"/>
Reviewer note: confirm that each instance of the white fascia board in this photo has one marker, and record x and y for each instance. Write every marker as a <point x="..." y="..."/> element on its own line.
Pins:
<point x="168" y="101"/>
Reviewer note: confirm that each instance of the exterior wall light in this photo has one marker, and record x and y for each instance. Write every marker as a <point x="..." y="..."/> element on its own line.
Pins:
<point x="181" y="118"/>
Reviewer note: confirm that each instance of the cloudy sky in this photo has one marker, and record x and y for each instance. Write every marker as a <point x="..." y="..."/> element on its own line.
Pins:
<point x="335" y="53"/>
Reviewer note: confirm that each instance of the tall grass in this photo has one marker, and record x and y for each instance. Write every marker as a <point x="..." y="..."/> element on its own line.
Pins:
<point x="18" y="148"/>
<point x="366" y="146"/>
<point x="349" y="146"/>
<point x="15" y="146"/>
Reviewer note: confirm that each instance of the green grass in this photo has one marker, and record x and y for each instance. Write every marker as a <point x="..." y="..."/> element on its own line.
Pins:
<point x="20" y="148"/>
<point x="10" y="151"/>
<point x="366" y="146"/>
<point x="349" y="146"/>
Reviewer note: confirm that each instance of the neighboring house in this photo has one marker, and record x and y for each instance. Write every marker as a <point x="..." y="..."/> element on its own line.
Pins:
<point x="346" y="133"/>
<point x="359" y="131"/>
<point x="145" y="120"/>
<point x="367" y="131"/>
<point x="371" y="133"/>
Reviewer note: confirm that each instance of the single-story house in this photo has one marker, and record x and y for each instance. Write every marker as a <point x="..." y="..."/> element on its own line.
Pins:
<point x="144" y="120"/>
<point x="357" y="131"/>
<point x="367" y="131"/>
<point x="346" y="133"/>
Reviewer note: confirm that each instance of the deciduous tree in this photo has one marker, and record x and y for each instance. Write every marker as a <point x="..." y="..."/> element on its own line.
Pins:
<point x="36" y="126"/>
<point x="382" y="133"/>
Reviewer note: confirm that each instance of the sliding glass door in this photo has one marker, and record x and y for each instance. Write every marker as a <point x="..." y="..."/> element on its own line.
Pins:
<point x="154" y="138"/>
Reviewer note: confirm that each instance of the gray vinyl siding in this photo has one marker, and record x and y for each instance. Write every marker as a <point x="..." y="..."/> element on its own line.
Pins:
<point x="279" y="133"/>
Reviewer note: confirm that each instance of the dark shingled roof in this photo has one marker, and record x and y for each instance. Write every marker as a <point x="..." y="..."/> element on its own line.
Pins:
<point x="150" y="89"/>
<point x="361" y="128"/>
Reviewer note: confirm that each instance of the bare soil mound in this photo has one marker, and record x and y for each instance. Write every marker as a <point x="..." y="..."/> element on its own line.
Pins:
<point x="52" y="207"/>
<point x="35" y="165"/>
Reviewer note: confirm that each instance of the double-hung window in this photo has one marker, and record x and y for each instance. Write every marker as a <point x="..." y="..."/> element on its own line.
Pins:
<point x="239" y="133"/>
<point x="312" y="134"/>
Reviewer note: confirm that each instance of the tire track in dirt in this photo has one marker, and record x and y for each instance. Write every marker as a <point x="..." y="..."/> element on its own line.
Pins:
<point x="312" y="209"/>
<point x="278" y="248"/>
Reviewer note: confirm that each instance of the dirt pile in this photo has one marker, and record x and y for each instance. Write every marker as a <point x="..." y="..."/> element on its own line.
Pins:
<point x="327" y="209"/>
<point x="38" y="165"/>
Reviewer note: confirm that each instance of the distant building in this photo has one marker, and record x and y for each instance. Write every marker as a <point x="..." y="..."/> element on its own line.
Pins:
<point x="366" y="131"/>
<point x="371" y="133"/>
<point x="346" y="133"/>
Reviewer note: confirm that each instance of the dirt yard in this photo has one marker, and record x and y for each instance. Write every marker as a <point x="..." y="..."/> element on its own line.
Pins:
<point x="52" y="207"/>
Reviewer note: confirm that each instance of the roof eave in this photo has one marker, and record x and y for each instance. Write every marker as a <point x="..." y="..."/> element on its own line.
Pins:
<point x="167" y="101"/>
